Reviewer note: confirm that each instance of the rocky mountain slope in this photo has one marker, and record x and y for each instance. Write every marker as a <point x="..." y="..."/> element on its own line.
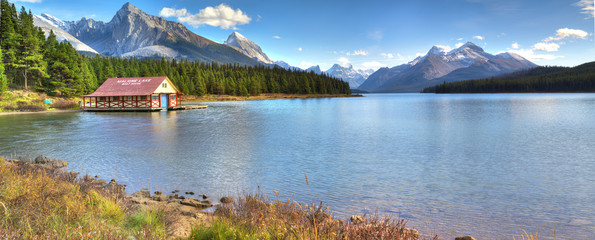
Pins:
<point x="247" y="47"/>
<point x="466" y="62"/>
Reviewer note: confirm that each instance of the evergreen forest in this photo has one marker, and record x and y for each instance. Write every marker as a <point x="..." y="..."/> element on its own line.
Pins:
<point x="540" y="79"/>
<point x="29" y="60"/>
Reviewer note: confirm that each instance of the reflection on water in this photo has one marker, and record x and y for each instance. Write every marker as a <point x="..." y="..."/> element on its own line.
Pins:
<point x="486" y="165"/>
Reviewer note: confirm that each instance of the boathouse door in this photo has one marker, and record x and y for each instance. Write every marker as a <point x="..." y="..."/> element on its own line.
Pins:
<point x="164" y="101"/>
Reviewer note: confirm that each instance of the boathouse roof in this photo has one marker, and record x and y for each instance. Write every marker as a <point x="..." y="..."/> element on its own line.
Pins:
<point x="135" y="86"/>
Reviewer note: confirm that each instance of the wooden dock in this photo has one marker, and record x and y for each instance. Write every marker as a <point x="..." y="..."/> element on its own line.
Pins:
<point x="187" y="107"/>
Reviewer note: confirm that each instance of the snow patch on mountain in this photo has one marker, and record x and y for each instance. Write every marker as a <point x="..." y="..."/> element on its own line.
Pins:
<point x="54" y="21"/>
<point x="46" y="25"/>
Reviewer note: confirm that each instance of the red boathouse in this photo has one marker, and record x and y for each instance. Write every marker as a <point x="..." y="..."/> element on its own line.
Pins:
<point x="134" y="94"/>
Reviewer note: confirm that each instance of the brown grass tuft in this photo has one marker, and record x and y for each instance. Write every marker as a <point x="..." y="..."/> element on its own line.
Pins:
<point x="259" y="217"/>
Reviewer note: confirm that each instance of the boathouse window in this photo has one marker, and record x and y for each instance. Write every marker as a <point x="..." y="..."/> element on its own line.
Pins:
<point x="115" y="98"/>
<point x="129" y="98"/>
<point x="164" y="85"/>
<point x="173" y="97"/>
<point x="155" y="98"/>
<point x="102" y="99"/>
<point x="143" y="97"/>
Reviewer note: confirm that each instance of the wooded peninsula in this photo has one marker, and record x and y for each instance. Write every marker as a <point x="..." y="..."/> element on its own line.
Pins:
<point x="540" y="79"/>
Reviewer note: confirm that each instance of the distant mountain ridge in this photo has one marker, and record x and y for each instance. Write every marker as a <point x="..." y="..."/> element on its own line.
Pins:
<point x="539" y="79"/>
<point x="466" y="62"/>
<point x="134" y="33"/>
<point x="355" y="77"/>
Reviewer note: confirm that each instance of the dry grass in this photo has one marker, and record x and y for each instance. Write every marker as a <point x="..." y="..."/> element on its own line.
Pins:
<point x="30" y="101"/>
<point x="38" y="203"/>
<point x="258" y="217"/>
<point x="526" y="236"/>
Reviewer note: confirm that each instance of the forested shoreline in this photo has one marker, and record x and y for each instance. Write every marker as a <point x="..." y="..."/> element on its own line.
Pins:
<point x="31" y="61"/>
<point x="540" y="79"/>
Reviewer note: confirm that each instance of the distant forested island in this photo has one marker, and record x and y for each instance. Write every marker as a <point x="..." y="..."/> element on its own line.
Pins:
<point x="540" y="79"/>
<point x="29" y="60"/>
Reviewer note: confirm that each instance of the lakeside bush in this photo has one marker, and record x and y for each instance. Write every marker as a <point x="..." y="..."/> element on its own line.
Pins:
<point x="64" y="104"/>
<point x="30" y="108"/>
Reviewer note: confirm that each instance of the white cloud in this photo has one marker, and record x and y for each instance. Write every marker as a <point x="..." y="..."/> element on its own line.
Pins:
<point x="563" y="33"/>
<point x="588" y="7"/>
<point x="221" y="16"/>
<point x="419" y="54"/>
<point x="172" y="12"/>
<point x="343" y="61"/>
<point x="548" y="47"/>
<point x="358" y="53"/>
<point x="478" y="37"/>
<point x="530" y="55"/>
<point x="276" y="37"/>
<point x="459" y="39"/>
<point x="373" y="65"/>
<point x="300" y="49"/>
<point x="387" y="55"/>
<point x="515" y="45"/>
<point x="458" y="45"/>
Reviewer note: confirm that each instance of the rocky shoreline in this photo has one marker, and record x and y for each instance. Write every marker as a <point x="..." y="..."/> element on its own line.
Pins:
<point x="183" y="210"/>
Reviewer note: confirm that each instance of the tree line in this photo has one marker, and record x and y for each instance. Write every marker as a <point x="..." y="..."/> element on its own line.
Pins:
<point x="540" y="79"/>
<point x="29" y="60"/>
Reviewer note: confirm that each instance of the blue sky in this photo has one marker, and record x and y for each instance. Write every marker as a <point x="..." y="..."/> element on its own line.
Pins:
<point x="373" y="33"/>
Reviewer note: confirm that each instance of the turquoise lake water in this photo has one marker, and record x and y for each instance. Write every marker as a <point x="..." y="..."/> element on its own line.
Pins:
<point x="486" y="165"/>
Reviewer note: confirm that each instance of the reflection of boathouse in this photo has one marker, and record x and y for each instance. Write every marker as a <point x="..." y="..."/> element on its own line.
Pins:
<point x="134" y="94"/>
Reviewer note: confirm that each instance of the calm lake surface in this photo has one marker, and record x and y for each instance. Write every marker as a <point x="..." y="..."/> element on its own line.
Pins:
<point x="485" y="165"/>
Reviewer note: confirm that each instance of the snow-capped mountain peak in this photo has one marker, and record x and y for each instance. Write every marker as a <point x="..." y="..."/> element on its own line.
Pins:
<point x="347" y="73"/>
<point x="469" y="46"/>
<point x="438" y="50"/>
<point x="247" y="47"/>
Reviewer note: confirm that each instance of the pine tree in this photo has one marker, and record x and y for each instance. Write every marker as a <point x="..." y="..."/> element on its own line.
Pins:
<point x="30" y="58"/>
<point x="3" y="81"/>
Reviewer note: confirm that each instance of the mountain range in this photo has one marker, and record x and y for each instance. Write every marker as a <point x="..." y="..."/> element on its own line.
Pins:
<point x="134" y="33"/>
<point x="469" y="61"/>
<point x="355" y="77"/>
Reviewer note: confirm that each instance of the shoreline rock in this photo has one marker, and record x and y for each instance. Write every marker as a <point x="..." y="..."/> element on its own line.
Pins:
<point x="41" y="161"/>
